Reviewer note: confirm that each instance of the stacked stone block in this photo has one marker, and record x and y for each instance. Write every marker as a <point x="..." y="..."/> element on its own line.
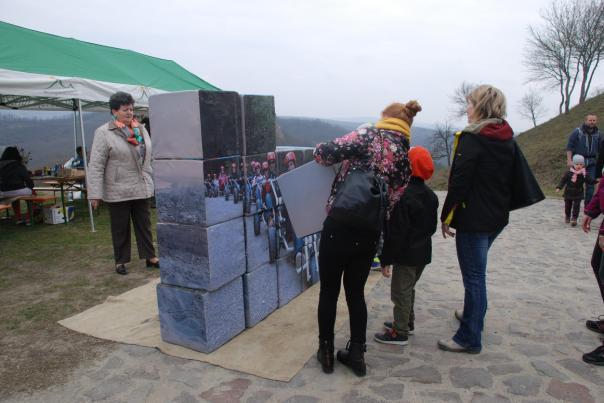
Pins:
<point x="229" y="255"/>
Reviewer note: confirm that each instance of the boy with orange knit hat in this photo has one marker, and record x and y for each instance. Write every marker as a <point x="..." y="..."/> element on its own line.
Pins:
<point x="408" y="245"/>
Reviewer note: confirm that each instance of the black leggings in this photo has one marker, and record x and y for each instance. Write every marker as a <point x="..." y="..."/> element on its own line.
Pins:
<point x="573" y="206"/>
<point x="348" y="252"/>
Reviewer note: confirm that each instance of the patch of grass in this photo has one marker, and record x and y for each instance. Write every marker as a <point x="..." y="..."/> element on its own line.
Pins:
<point x="48" y="273"/>
<point x="545" y="145"/>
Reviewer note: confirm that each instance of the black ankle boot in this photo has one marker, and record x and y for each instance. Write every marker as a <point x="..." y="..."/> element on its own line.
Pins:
<point x="354" y="357"/>
<point x="325" y="355"/>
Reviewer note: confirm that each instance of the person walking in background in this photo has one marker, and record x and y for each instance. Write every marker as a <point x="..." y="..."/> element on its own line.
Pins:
<point x="585" y="141"/>
<point x="592" y="211"/>
<point x="408" y="246"/>
<point x="120" y="174"/>
<point x="347" y="251"/>
<point x="487" y="180"/>
<point x="573" y="183"/>
<point x="15" y="179"/>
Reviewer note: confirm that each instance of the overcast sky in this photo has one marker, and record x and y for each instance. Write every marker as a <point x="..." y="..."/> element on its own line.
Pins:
<point x="329" y="59"/>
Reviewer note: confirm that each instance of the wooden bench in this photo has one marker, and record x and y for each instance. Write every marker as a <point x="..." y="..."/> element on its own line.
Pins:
<point x="30" y="200"/>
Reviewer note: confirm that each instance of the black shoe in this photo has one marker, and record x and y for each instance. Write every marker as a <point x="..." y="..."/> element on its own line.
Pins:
<point x="595" y="325"/>
<point x="121" y="269"/>
<point x="389" y="326"/>
<point x="596" y="357"/>
<point x="325" y="355"/>
<point x="391" y="337"/>
<point x="151" y="265"/>
<point x="354" y="357"/>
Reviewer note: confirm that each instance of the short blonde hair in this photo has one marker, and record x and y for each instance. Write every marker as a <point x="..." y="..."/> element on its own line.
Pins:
<point x="488" y="102"/>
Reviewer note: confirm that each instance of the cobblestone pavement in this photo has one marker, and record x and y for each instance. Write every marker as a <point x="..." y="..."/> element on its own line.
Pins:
<point x="541" y="291"/>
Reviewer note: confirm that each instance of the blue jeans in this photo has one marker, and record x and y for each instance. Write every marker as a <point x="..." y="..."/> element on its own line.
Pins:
<point x="472" y="250"/>
<point x="589" y="188"/>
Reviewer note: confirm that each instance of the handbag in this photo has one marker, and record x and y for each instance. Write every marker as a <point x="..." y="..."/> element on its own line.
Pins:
<point x="361" y="200"/>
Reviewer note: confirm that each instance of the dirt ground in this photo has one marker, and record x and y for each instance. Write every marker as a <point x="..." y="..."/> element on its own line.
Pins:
<point x="47" y="273"/>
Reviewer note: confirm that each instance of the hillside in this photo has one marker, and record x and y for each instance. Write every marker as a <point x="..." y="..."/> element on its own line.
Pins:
<point x="296" y="131"/>
<point x="544" y="146"/>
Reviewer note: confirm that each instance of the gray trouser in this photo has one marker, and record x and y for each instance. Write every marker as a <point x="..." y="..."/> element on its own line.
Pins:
<point x="402" y="294"/>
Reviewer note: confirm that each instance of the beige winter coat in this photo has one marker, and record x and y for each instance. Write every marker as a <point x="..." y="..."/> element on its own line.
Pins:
<point x="116" y="172"/>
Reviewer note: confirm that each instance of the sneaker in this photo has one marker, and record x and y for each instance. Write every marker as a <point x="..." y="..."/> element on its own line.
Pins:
<point x="567" y="220"/>
<point x="452" y="346"/>
<point x="391" y="337"/>
<point x="573" y="223"/>
<point x="596" y="325"/>
<point x="389" y="326"/>
<point x="596" y="357"/>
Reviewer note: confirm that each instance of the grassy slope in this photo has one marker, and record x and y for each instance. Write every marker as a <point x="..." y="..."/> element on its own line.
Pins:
<point x="544" y="146"/>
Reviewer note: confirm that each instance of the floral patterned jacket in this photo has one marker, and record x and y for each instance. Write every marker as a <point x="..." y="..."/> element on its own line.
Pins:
<point x="385" y="151"/>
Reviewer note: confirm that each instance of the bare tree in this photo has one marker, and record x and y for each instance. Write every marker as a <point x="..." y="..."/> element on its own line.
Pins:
<point x="589" y="43"/>
<point x="441" y="143"/>
<point x="531" y="106"/>
<point x="459" y="98"/>
<point x="567" y="47"/>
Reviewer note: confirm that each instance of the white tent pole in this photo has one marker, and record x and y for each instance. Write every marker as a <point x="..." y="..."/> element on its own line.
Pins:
<point x="85" y="164"/>
<point x="75" y="133"/>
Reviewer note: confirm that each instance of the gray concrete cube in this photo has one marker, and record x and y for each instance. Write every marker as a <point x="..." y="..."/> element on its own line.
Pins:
<point x="201" y="257"/>
<point x="201" y="320"/>
<point x="260" y="293"/>
<point x="186" y="193"/>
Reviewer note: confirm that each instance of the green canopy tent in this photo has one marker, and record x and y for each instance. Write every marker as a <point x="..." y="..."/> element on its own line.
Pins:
<point x="40" y="71"/>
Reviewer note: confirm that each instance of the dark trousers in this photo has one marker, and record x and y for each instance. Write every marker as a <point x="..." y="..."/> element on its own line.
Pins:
<point x="589" y="187"/>
<point x="120" y="214"/>
<point x="596" y="259"/>
<point x="402" y="295"/>
<point x="344" y="252"/>
<point x="572" y="206"/>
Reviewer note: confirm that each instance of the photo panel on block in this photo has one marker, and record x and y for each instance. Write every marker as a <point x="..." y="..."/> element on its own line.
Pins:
<point x="200" y="257"/>
<point x="201" y="192"/>
<point x="195" y="124"/>
<point x="259" y="124"/>
<point x="201" y="320"/>
<point x="289" y="279"/>
<point x="260" y="293"/>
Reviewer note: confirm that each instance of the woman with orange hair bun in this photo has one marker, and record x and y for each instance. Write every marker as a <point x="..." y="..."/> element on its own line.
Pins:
<point x="346" y="251"/>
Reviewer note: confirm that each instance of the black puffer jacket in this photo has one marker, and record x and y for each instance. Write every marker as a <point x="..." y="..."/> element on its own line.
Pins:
<point x="13" y="176"/>
<point x="575" y="190"/>
<point x="413" y="221"/>
<point x="480" y="185"/>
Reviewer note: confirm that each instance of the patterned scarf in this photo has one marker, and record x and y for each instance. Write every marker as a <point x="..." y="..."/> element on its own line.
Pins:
<point x="135" y="137"/>
<point x="576" y="172"/>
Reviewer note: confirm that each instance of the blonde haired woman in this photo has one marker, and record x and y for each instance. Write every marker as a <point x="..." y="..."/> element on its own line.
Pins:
<point x="478" y="204"/>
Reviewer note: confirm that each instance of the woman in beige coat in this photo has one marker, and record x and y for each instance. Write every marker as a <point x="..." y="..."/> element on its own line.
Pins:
<point x="120" y="174"/>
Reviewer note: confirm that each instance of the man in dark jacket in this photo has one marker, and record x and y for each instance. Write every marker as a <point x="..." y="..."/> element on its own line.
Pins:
<point x="408" y="245"/>
<point x="585" y="140"/>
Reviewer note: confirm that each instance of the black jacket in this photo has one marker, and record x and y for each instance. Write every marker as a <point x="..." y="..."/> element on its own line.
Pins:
<point x="575" y="190"/>
<point x="408" y="236"/>
<point x="13" y="176"/>
<point x="480" y="183"/>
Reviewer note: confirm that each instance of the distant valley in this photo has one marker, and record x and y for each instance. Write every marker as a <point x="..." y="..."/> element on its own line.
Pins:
<point x="49" y="137"/>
